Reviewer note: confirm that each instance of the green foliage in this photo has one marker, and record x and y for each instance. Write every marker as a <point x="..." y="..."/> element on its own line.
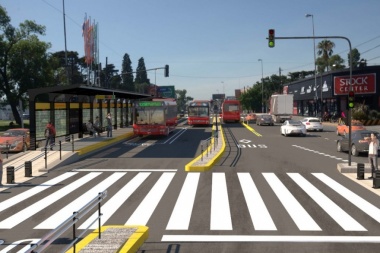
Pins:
<point x="141" y="74"/>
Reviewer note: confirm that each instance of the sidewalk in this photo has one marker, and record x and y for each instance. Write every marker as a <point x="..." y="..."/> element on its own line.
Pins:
<point x="70" y="152"/>
<point x="132" y="237"/>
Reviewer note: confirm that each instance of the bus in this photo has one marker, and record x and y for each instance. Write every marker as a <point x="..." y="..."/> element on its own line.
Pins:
<point x="155" y="117"/>
<point x="198" y="112"/>
<point x="231" y="110"/>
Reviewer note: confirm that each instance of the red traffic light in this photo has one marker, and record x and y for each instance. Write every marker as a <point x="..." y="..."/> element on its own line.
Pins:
<point x="271" y="31"/>
<point x="351" y="94"/>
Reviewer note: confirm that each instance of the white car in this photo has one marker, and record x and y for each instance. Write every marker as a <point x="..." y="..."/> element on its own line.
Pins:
<point x="293" y="127"/>
<point x="312" y="124"/>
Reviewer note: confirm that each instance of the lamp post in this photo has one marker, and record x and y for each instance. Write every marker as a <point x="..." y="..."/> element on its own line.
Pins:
<point x="262" y="86"/>
<point x="315" y="66"/>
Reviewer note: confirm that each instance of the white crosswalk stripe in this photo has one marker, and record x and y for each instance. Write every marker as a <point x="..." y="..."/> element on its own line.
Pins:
<point x="300" y="216"/>
<point x="143" y="212"/>
<point x="77" y="204"/>
<point x="340" y="216"/>
<point x="111" y="206"/>
<point x="182" y="212"/>
<point x="180" y="218"/>
<point x="35" y="190"/>
<point x="220" y="208"/>
<point x="17" y="218"/>
<point x="259" y="213"/>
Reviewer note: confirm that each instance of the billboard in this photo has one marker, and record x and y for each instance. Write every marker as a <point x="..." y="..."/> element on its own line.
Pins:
<point x="166" y="91"/>
<point x="361" y="84"/>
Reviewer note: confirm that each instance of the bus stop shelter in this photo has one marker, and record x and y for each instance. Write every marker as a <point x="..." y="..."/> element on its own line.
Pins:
<point x="69" y="107"/>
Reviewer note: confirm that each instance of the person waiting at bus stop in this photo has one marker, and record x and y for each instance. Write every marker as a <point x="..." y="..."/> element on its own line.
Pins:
<point x="50" y="135"/>
<point x="109" y="125"/>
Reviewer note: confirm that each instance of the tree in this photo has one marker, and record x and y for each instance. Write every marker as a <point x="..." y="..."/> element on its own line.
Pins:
<point x="336" y="62"/>
<point x="182" y="99"/>
<point x="325" y="50"/>
<point x="110" y="77"/>
<point x="127" y="75"/>
<point x="24" y="62"/>
<point x="73" y="68"/>
<point x="141" y="74"/>
<point x="355" y="58"/>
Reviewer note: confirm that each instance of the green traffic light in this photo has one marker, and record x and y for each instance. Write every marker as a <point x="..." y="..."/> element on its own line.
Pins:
<point x="351" y="105"/>
<point x="271" y="44"/>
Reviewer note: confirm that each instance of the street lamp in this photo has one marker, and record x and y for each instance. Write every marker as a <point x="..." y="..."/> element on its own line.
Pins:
<point x="262" y="87"/>
<point x="315" y="66"/>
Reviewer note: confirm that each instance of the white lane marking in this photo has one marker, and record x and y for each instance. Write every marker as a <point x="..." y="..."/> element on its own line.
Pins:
<point x="180" y="218"/>
<point x="143" y="212"/>
<point x="352" y="197"/>
<point x="29" y="211"/>
<point x="61" y="215"/>
<point x="269" y="238"/>
<point x="299" y="215"/>
<point x="259" y="213"/>
<point x="17" y="243"/>
<point x="321" y="153"/>
<point x="220" y="208"/>
<point x="111" y="206"/>
<point x="125" y="170"/>
<point x="175" y="136"/>
<point x="37" y="189"/>
<point x="332" y="209"/>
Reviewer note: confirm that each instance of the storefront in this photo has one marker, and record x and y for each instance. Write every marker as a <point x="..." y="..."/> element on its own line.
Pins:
<point x="328" y="92"/>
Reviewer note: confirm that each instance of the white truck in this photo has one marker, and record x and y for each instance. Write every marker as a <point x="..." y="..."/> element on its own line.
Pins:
<point x="281" y="107"/>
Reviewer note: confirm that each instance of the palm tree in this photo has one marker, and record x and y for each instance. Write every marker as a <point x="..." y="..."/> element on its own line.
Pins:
<point x="325" y="50"/>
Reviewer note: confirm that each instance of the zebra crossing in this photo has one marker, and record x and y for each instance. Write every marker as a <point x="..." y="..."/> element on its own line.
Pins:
<point x="182" y="211"/>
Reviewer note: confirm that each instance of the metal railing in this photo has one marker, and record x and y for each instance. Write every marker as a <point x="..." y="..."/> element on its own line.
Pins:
<point x="50" y="237"/>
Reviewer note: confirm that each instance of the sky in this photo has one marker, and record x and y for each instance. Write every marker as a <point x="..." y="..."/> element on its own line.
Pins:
<point x="211" y="46"/>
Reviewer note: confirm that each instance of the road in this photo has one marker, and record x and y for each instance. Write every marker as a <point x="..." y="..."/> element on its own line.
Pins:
<point x="268" y="193"/>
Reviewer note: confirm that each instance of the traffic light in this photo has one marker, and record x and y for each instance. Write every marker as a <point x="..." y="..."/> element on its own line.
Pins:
<point x="351" y="99"/>
<point x="166" y="70"/>
<point x="271" y="38"/>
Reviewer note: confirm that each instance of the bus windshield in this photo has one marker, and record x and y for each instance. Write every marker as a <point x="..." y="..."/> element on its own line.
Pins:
<point x="198" y="111"/>
<point x="150" y="115"/>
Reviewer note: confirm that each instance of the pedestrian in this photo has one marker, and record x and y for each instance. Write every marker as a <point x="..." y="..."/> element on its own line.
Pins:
<point x="1" y="169"/>
<point x="109" y="125"/>
<point x="372" y="152"/>
<point x="90" y="128"/>
<point x="50" y="135"/>
<point x="97" y="125"/>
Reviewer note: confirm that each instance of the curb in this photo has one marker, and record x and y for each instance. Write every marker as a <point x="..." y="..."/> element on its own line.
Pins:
<point x="102" y="144"/>
<point x="131" y="245"/>
<point x="190" y="167"/>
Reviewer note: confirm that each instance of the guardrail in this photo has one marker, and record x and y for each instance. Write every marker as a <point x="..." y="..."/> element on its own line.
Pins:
<point x="50" y="237"/>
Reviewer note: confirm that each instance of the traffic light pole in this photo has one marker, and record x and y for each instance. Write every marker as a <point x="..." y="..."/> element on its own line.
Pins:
<point x="350" y="83"/>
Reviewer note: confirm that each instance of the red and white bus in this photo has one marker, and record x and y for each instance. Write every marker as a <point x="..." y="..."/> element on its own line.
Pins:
<point x="198" y="112"/>
<point x="155" y="117"/>
<point x="231" y="109"/>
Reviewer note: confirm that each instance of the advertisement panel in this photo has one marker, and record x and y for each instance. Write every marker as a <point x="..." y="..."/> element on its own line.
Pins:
<point x="361" y="84"/>
<point x="166" y="91"/>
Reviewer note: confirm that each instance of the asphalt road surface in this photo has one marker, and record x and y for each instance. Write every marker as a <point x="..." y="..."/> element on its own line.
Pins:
<point x="268" y="193"/>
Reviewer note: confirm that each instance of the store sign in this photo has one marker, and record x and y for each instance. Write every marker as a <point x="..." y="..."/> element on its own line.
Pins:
<point x="361" y="84"/>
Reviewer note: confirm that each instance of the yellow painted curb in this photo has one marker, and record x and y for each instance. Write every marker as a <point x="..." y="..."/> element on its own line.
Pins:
<point x="104" y="143"/>
<point x="130" y="246"/>
<point x="201" y="168"/>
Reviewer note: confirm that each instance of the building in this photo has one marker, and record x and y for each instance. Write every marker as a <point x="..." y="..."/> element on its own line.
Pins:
<point x="331" y="91"/>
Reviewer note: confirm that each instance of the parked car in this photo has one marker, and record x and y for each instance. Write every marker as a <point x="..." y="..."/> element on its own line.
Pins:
<point x="312" y="124"/>
<point x="342" y="145"/>
<point x="15" y="140"/>
<point x="249" y="117"/>
<point x="264" y="119"/>
<point x="342" y="129"/>
<point x="293" y="127"/>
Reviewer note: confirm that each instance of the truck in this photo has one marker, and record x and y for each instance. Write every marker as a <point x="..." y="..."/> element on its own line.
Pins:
<point x="281" y="107"/>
